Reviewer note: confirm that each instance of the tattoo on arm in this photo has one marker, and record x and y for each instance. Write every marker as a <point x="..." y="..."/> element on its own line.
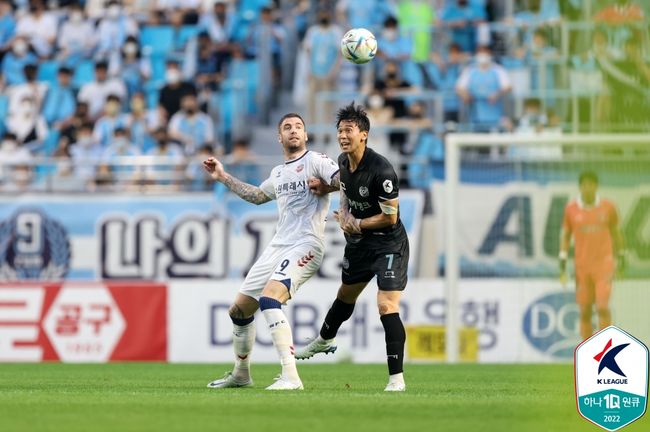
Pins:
<point x="246" y="191"/>
<point x="335" y="183"/>
<point x="343" y="201"/>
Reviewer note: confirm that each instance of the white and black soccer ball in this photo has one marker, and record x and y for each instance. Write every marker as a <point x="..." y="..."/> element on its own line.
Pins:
<point x="359" y="46"/>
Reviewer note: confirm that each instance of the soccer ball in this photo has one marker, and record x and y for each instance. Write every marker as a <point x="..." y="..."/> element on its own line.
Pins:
<point x="359" y="46"/>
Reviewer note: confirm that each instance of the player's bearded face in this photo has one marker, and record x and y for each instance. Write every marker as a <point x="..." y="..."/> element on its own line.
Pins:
<point x="349" y="136"/>
<point x="293" y="135"/>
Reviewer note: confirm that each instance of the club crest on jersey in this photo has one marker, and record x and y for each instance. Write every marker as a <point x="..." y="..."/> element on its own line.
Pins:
<point x="363" y="191"/>
<point x="299" y="168"/>
<point x="346" y="263"/>
<point x="388" y="186"/>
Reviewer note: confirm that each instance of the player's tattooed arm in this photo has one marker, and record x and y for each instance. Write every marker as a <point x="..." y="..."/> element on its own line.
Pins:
<point x="321" y="188"/>
<point x="248" y="192"/>
<point x="245" y="191"/>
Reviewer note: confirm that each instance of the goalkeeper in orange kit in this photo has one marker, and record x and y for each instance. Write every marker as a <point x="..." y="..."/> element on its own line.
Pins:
<point x="593" y="223"/>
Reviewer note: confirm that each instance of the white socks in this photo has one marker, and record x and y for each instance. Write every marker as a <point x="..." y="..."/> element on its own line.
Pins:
<point x="243" y="339"/>
<point x="396" y="378"/>
<point x="283" y="341"/>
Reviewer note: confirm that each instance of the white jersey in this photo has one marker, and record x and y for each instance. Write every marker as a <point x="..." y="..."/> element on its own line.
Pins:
<point x="302" y="214"/>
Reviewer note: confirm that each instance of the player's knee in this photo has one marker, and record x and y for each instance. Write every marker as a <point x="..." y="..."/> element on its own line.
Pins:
<point x="236" y="312"/>
<point x="386" y="307"/>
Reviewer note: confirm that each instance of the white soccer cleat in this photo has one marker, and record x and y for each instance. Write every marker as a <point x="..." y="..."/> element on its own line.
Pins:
<point x="395" y="386"/>
<point x="318" y="345"/>
<point x="282" y="383"/>
<point x="229" y="381"/>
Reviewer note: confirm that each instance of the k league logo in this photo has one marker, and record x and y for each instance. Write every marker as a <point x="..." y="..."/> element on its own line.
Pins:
<point x="611" y="378"/>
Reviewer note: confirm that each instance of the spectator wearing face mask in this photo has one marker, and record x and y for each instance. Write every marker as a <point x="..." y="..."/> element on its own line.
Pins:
<point x="482" y="87"/>
<point x="393" y="46"/>
<point x="142" y="123"/>
<point x="322" y="44"/>
<point x="533" y="118"/>
<point x="77" y="38"/>
<point x="171" y="172"/>
<point x="39" y="27"/>
<point x="114" y="29"/>
<point x="120" y="146"/>
<point x="14" y="62"/>
<point x="27" y="124"/>
<point x="86" y="154"/>
<point x="108" y="123"/>
<point x="96" y="92"/>
<point x="131" y="66"/>
<point x="175" y="88"/>
<point x="116" y="162"/>
<point x="71" y="125"/>
<point x="32" y="89"/>
<point x="59" y="103"/>
<point x="15" y="165"/>
<point x="190" y="126"/>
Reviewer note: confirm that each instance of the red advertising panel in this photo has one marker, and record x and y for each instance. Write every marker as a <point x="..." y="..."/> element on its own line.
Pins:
<point x="83" y="322"/>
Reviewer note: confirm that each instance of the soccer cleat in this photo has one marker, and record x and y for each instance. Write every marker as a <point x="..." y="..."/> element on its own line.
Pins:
<point x="395" y="386"/>
<point x="229" y="381"/>
<point x="318" y="345"/>
<point x="282" y="383"/>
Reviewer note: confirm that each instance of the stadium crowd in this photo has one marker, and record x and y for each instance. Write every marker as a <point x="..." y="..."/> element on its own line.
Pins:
<point x="96" y="84"/>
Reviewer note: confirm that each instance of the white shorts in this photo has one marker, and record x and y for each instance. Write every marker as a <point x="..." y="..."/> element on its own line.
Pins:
<point x="293" y="265"/>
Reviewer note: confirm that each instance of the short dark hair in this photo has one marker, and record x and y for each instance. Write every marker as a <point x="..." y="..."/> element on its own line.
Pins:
<point x="290" y="115"/>
<point x="391" y="21"/>
<point x="354" y="113"/>
<point x="588" y="176"/>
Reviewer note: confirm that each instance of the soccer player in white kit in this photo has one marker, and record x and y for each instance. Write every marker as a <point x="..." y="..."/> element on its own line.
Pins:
<point x="293" y="256"/>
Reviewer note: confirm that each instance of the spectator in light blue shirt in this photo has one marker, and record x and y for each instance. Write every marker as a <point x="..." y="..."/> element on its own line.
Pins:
<point x="393" y="46"/>
<point x="482" y="87"/>
<point x="368" y="14"/>
<point x="108" y="124"/>
<point x="171" y="171"/>
<point x="190" y="126"/>
<point x="14" y="62"/>
<point x="120" y="146"/>
<point x="443" y="73"/>
<point x="322" y="43"/>
<point x="462" y="18"/>
<point x="60" y="101"/>
<point x="7" y="24"/>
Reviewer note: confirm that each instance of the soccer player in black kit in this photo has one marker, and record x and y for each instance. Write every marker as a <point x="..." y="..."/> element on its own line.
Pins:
<point x="376" y="241"/>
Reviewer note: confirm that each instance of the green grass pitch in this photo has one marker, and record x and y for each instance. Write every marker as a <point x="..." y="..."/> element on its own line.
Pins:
<point x="337" y="398"/>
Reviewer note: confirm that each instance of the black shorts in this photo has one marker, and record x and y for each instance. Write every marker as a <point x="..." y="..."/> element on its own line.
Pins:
<point x="389" y="262"/>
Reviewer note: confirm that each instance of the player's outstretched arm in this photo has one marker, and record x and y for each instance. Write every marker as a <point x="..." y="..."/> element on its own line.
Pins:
<point x="245" y="191"/>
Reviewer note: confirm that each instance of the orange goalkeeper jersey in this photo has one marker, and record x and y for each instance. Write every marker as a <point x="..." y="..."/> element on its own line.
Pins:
<point x="591" y="228"/>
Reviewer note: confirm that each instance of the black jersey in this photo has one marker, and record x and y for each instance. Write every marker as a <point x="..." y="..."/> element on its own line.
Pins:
<point x="373" y="181"/>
